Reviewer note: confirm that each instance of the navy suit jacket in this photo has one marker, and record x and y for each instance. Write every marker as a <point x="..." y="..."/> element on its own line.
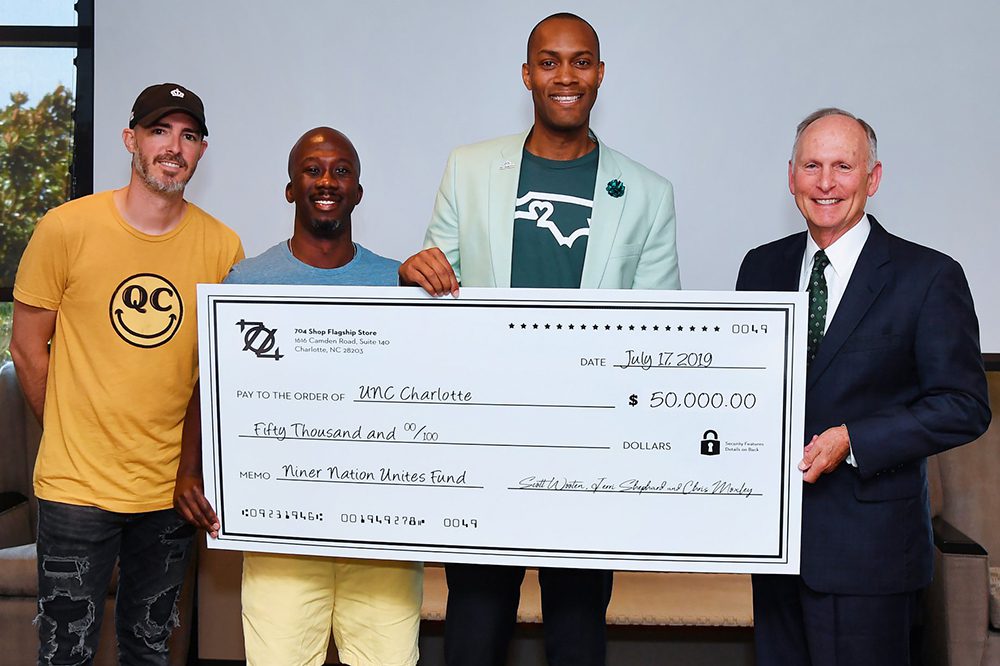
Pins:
<point x="900" y="366"/>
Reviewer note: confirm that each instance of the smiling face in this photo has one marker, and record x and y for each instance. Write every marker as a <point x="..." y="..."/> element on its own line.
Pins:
<point x="146" y="310"/>
<point x="323" y="172"/>
<point x="165" y="154"/>
<point x="830" y="178"/>
<point x="563" y="73"/>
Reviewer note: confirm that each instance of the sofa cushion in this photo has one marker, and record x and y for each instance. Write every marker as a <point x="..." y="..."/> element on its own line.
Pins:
<point x="18" y="571"/>
<point x="639" y="598"/>
<point x="15" y="520"/>
<point x="15" y="470"/>
<point x="934" y="486"/>
<point x="995" y="597"/>
<point x="678" y="599"/>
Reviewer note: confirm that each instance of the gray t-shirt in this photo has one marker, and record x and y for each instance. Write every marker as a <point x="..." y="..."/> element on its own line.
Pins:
<point x="278" y="266"/>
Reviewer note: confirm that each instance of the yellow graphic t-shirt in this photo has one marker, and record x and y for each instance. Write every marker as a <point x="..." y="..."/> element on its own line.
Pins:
<point x="123" y="359"/>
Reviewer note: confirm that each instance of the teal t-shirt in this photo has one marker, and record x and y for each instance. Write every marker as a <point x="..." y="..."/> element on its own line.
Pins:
<point x="555" y="201"/>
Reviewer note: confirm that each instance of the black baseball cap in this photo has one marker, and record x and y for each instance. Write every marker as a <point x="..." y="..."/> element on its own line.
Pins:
<point x="163" y="98"/>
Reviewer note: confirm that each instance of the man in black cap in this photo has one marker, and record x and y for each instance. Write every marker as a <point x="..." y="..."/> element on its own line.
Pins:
<point x="109" y="280"/>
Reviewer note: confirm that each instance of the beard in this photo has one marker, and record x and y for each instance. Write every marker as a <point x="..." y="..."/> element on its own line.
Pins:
<point x="143" y="167"/>
<point x="324" y="228"/>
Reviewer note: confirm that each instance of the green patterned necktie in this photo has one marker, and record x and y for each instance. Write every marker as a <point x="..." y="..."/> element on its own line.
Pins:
<point x="817" y="302"/>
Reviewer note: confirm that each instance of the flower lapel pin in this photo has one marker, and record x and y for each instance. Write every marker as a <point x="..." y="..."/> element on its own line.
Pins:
<point x="616" y="188"/>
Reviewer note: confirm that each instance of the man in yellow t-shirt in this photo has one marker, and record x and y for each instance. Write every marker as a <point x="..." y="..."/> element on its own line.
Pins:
<point x="109" y="280"/>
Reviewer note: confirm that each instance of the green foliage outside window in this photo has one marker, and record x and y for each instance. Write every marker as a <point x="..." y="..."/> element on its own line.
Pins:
<point x="36" y="150"/>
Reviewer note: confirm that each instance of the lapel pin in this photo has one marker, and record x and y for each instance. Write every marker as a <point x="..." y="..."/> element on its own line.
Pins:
<point x="616" y="188"/>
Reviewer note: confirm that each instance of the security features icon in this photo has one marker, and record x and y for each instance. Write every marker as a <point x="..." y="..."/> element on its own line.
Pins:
<point x="710" y="443"/>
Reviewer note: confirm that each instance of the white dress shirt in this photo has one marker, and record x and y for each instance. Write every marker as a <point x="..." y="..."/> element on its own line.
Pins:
<point x="843" y="254"/>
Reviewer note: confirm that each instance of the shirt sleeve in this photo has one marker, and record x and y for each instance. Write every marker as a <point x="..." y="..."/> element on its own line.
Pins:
<point x="43" y="271"/>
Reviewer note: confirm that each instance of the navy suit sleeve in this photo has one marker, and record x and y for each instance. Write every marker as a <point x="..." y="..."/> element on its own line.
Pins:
<point x="742" y="278"/>
<point x="952" y="405"/>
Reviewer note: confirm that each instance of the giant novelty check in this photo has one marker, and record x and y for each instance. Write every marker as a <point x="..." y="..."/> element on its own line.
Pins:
<point x="605" y="429"/>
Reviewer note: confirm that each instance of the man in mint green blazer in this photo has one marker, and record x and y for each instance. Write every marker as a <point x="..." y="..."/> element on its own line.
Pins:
<point x="551" y="208"/>
<point x="631" y="241"/>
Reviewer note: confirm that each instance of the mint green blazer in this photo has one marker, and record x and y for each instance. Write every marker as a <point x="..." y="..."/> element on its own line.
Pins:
<point x="632" y="243"/>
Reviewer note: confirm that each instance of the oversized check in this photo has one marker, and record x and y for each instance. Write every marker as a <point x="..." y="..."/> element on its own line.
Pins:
<point x="606" y="429"/>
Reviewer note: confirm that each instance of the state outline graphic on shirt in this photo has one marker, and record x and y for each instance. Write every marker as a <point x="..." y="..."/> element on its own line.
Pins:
<point x="540" y="209"/>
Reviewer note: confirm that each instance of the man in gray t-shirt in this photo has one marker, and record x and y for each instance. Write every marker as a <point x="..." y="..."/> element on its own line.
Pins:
<point x="281" y="265"/>
<point x="291" y="603"/>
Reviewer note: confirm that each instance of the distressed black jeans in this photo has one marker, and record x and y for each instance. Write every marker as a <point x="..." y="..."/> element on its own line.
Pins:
<point x="77" y="550"/>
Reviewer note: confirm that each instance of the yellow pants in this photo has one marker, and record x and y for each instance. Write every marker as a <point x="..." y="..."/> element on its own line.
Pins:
<point x="292" y="602"/>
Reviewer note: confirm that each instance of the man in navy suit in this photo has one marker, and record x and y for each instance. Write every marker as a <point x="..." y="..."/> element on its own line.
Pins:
<point x="895" y="375"/>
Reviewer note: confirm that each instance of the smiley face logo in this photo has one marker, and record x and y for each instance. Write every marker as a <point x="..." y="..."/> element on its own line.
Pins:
<point x="146" y="310"/>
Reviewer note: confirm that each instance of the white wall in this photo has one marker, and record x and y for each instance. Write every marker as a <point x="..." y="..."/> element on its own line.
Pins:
<point x="706" y="93"/>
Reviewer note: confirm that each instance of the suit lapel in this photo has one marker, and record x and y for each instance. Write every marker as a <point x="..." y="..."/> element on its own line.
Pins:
<point x="788" y="269"/>
<point x="504" y="173"/>
<point x="869" y="277"/>
<point x="605" y="218"/>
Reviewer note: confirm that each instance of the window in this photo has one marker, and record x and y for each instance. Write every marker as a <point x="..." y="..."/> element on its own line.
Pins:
<point x="46" y="122"/>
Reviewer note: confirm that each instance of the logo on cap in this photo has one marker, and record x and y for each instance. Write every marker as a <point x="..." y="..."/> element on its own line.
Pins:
<point x="177" y="92"/>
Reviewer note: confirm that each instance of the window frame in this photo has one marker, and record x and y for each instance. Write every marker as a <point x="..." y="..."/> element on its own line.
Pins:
<point x="80" y="37"/>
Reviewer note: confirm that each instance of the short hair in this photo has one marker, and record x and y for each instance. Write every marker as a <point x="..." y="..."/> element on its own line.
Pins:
<point x="834" y="111"/>
<point x="562" y="15"/>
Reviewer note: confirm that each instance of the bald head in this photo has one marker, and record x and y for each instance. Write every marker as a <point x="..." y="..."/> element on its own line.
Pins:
<point x="561" y="16"/>
<point x="322" y="138"/>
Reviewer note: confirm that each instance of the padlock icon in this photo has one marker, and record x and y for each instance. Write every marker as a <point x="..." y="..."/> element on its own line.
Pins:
<point x="710" y="443"/>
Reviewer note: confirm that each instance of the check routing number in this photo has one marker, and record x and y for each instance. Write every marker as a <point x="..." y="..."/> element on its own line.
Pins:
<point x="608" y="429"/>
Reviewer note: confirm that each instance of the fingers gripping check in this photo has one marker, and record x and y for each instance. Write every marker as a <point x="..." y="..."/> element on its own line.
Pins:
<point x="431" y="270"/>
